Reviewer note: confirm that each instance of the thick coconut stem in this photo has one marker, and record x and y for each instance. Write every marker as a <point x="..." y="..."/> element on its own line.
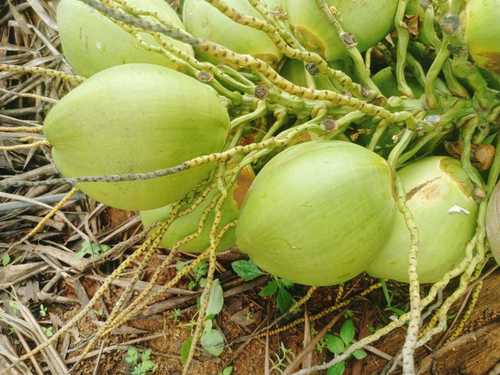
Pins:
<point x="259" y="111"/>
<point x="379" y="132"/>
<point x="343" y="123"/>
<point x="403" y="39"/>
<point x="443" y="124"/>
<point x="417" y="69"/>
<point x="415" y="305"/>
<point x="467" y="135"/>
<point x="428" y="31"/>
<point x="433" y="72"/>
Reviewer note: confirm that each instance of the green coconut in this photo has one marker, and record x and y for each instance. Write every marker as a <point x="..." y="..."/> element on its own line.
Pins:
<point x="493" y="223"/>
<point x="188" y="224"/>
<point x="91" y="42"/>
<point x="205" y="21"/>
<point x="368" y="20"/>
<point x="318" y="212"/>
<point x="295" y="72"/>
<point x="439" y="195"/>
<point x="482" y="32"/>
<point x="136" y="118"/>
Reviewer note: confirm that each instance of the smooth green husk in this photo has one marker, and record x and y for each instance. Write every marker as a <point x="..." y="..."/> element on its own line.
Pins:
<point x="205" y="21"/>
<point x="368" y="20"/>
<point x="493" y="223"/>
<point x="295" y="72"/>
<point x="439" y="195"/>
<point x="91" y="42"/>
<point x="136" y="118"/>
<point x="188" y="224"/>
<point x="482" y="32"/>
<point x="318" y="212"/>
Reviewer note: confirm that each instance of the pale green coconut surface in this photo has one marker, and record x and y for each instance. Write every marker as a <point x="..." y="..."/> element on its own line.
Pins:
<point x="439" y="196"/>
<point x="318" y="212"/>
<point x="368" y="20"/>
<point x="482" y="32"/>
<point x="493" y="223"/>
<point x="92" y="42"/>
<point x="188" y="224"/>
<point x="205" y="21"/>
<point x="105" y="125"/>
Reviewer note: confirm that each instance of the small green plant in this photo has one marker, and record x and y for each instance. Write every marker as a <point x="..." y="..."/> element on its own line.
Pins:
<point x="212" y="338"/>
<point x="14" y="307"/>
<point x="185" y="347"/>
<point x="338" y="343"/>
<point x="5" y="260"/>
<point x="227" y="371"/>
<point x="198" y="274"/>
<point x="140" y="363"/>
<point x="279" y="288"/>
<point x="43" y="310"/>
<point x="248" y="270"/>
<point x="48" y="331"/>
<point x="389" y="298"/>
<point x="176" y="315"/>
<point x="91" y="249"/>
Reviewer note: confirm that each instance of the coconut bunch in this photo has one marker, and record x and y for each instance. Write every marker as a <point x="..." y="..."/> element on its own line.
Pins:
<point x="322" y="138"/>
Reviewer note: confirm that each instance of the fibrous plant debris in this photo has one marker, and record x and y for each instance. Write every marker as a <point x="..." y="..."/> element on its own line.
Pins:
<point x="99" y="271"/>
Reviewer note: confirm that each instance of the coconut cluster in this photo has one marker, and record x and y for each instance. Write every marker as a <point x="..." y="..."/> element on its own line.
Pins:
<point x="319" y="212"/>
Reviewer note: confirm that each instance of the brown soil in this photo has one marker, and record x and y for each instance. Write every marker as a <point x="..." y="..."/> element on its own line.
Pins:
<point x="475" y="352"/>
